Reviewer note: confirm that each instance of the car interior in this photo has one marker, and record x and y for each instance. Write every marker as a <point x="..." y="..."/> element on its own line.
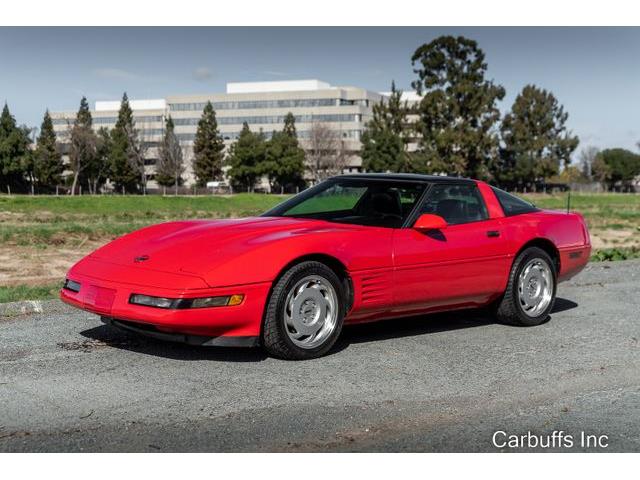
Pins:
<point x="456" y="203"/>
<point x="374" y="204"/>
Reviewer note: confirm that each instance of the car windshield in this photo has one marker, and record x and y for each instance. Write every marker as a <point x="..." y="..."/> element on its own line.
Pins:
<point x="372" y="202"/>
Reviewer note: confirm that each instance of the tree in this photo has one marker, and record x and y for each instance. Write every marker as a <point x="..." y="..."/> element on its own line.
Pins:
<point x="170" y="167"/>
<point x="457" y="115"/>
<point x="208" y="148"/>
<point x="246" y="157"/>
<point x="47" y="164"/>
<point x="15" y="154"/>
<point x="536" y="140"/>
<point x="125" y="151"/>
<point x="587" y="158"/>
<point x="617" y="167"/>
<point x="283" y="163"/>
<point x="97" y="170"/>
<point x="385" y="140"/>
<point x="600" y="170"/>
<point x="82" y="143"/>
<point x="325" y="152"/>
<point x="569" y="174"/>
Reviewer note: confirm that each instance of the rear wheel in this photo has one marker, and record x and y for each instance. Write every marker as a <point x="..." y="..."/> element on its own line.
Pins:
<point x="531" y="290"/>
<point x="305" y="312"/>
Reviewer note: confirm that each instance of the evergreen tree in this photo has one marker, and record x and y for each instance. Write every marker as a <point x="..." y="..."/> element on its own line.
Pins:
<point x="125" y="174"/>
<point x="15" y="154"/>
<point x="83" y="116"/>
<point x="82" y="143"/>
<point x="246" y="157"/>
<point x="48" y="166"/>
<point x="170" y="167"/>
<point x="208" y="148"/>
<point x="458" y="113"/>
<point x="284" y="158"/>
<point x="384" y="142"/>
<point x="536" y="140"/>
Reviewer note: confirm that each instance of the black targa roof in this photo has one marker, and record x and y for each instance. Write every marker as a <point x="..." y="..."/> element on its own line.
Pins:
<point x="413" y="177"/>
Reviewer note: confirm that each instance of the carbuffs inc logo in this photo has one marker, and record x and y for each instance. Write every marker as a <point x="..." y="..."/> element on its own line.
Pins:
<point x="141" y="258"/>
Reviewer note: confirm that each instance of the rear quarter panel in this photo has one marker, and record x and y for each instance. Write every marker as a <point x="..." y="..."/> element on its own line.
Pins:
<point x="566" y="231"/>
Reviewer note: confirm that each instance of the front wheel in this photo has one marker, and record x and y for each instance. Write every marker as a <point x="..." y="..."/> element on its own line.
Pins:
<point x="531" y="290"/>
<point x="305" y="312"/>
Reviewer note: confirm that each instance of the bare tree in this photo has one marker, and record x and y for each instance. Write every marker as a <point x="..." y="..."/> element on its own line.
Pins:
<point x="137" y="154"/>
<point x="170" y="165"/>
<point x="586" y="159"/>
<point x="326" y="153"/>
<point x="82" y="149"/>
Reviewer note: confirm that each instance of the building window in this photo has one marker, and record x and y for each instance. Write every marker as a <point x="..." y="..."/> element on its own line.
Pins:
<point x="273" y="119"/>
<point x="251" y="104"/>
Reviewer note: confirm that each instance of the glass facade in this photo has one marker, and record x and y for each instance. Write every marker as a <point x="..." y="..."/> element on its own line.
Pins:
<point x="250" y="104"/>
<point x="276" y="119"/>
<point x="143" y="132"/>
<point x="302" y="134"/>
<point x="113" y="120"/>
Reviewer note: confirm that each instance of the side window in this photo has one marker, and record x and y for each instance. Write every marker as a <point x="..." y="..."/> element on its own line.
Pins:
<point x="456" y="203"/>
<point x="512" y="205"/>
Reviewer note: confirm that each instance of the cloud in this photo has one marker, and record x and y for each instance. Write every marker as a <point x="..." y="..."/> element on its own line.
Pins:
<point x="115" y="73"/>
<point x="202" y="74"/>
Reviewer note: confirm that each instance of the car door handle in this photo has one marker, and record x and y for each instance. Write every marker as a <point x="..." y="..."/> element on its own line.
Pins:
<point x="493" y="233"/>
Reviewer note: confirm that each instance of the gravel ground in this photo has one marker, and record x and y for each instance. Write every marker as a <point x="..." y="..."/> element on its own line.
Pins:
<point x="436" y="383"/>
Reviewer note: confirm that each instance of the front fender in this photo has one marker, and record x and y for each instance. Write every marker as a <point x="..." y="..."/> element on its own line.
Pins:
<point x="262" y="259"/>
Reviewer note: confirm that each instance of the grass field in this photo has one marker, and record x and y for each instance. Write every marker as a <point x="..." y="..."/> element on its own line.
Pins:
<point x="43" y="221"/>
<point x="40" y="237"/>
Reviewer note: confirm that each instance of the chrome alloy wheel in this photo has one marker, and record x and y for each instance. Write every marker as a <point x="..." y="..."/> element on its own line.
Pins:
<point x="535" y="287"/>
<point x="311" y="311"/>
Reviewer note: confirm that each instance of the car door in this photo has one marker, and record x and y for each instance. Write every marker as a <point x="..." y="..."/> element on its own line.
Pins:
<point x="464" y="264"/>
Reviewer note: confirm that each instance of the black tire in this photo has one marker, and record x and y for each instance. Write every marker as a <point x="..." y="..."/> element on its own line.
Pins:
<point x="509" y="309"/>
<point x="274" y="335"/>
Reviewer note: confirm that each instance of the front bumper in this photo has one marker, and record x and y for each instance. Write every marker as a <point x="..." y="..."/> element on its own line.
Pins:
<point x="107" y="298"/>
<point x="149" y="330"/>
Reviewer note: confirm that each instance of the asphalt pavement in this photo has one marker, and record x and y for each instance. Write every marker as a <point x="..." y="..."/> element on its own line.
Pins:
<point x="448" y="382"/>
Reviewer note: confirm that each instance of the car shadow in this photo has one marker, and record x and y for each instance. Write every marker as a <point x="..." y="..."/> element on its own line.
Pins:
<point x="427" y="324"/>
<point x="352" y="334"/>
<point x="117" y="338"/>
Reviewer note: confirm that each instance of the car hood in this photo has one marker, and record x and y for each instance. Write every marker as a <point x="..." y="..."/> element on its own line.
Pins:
<point x="198" y="246"/>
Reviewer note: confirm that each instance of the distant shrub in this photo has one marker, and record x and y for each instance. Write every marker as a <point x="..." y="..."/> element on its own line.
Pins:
<point x="615" y="254"/>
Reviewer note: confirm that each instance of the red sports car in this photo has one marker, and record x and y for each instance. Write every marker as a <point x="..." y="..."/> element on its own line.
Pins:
<point x="354" y="248"/>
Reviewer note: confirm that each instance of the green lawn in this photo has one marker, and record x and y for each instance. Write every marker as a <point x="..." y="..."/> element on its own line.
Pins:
<point x="26" y="292"/>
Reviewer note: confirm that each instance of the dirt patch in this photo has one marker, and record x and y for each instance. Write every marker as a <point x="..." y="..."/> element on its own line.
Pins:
<point x="609" y="238"/>
<point x="27" y="265"/>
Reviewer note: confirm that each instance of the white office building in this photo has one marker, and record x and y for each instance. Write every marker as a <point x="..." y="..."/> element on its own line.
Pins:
<point x="262" y="105"/>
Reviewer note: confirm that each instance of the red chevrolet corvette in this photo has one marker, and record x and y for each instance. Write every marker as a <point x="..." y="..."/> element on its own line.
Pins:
<point x="354" y="248"/>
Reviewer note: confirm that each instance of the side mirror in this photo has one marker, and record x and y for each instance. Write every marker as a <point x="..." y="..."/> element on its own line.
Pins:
<point x="427" y="221"/>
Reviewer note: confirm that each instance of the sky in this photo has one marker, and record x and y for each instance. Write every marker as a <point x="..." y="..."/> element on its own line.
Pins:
<point x="594" y="72"/>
